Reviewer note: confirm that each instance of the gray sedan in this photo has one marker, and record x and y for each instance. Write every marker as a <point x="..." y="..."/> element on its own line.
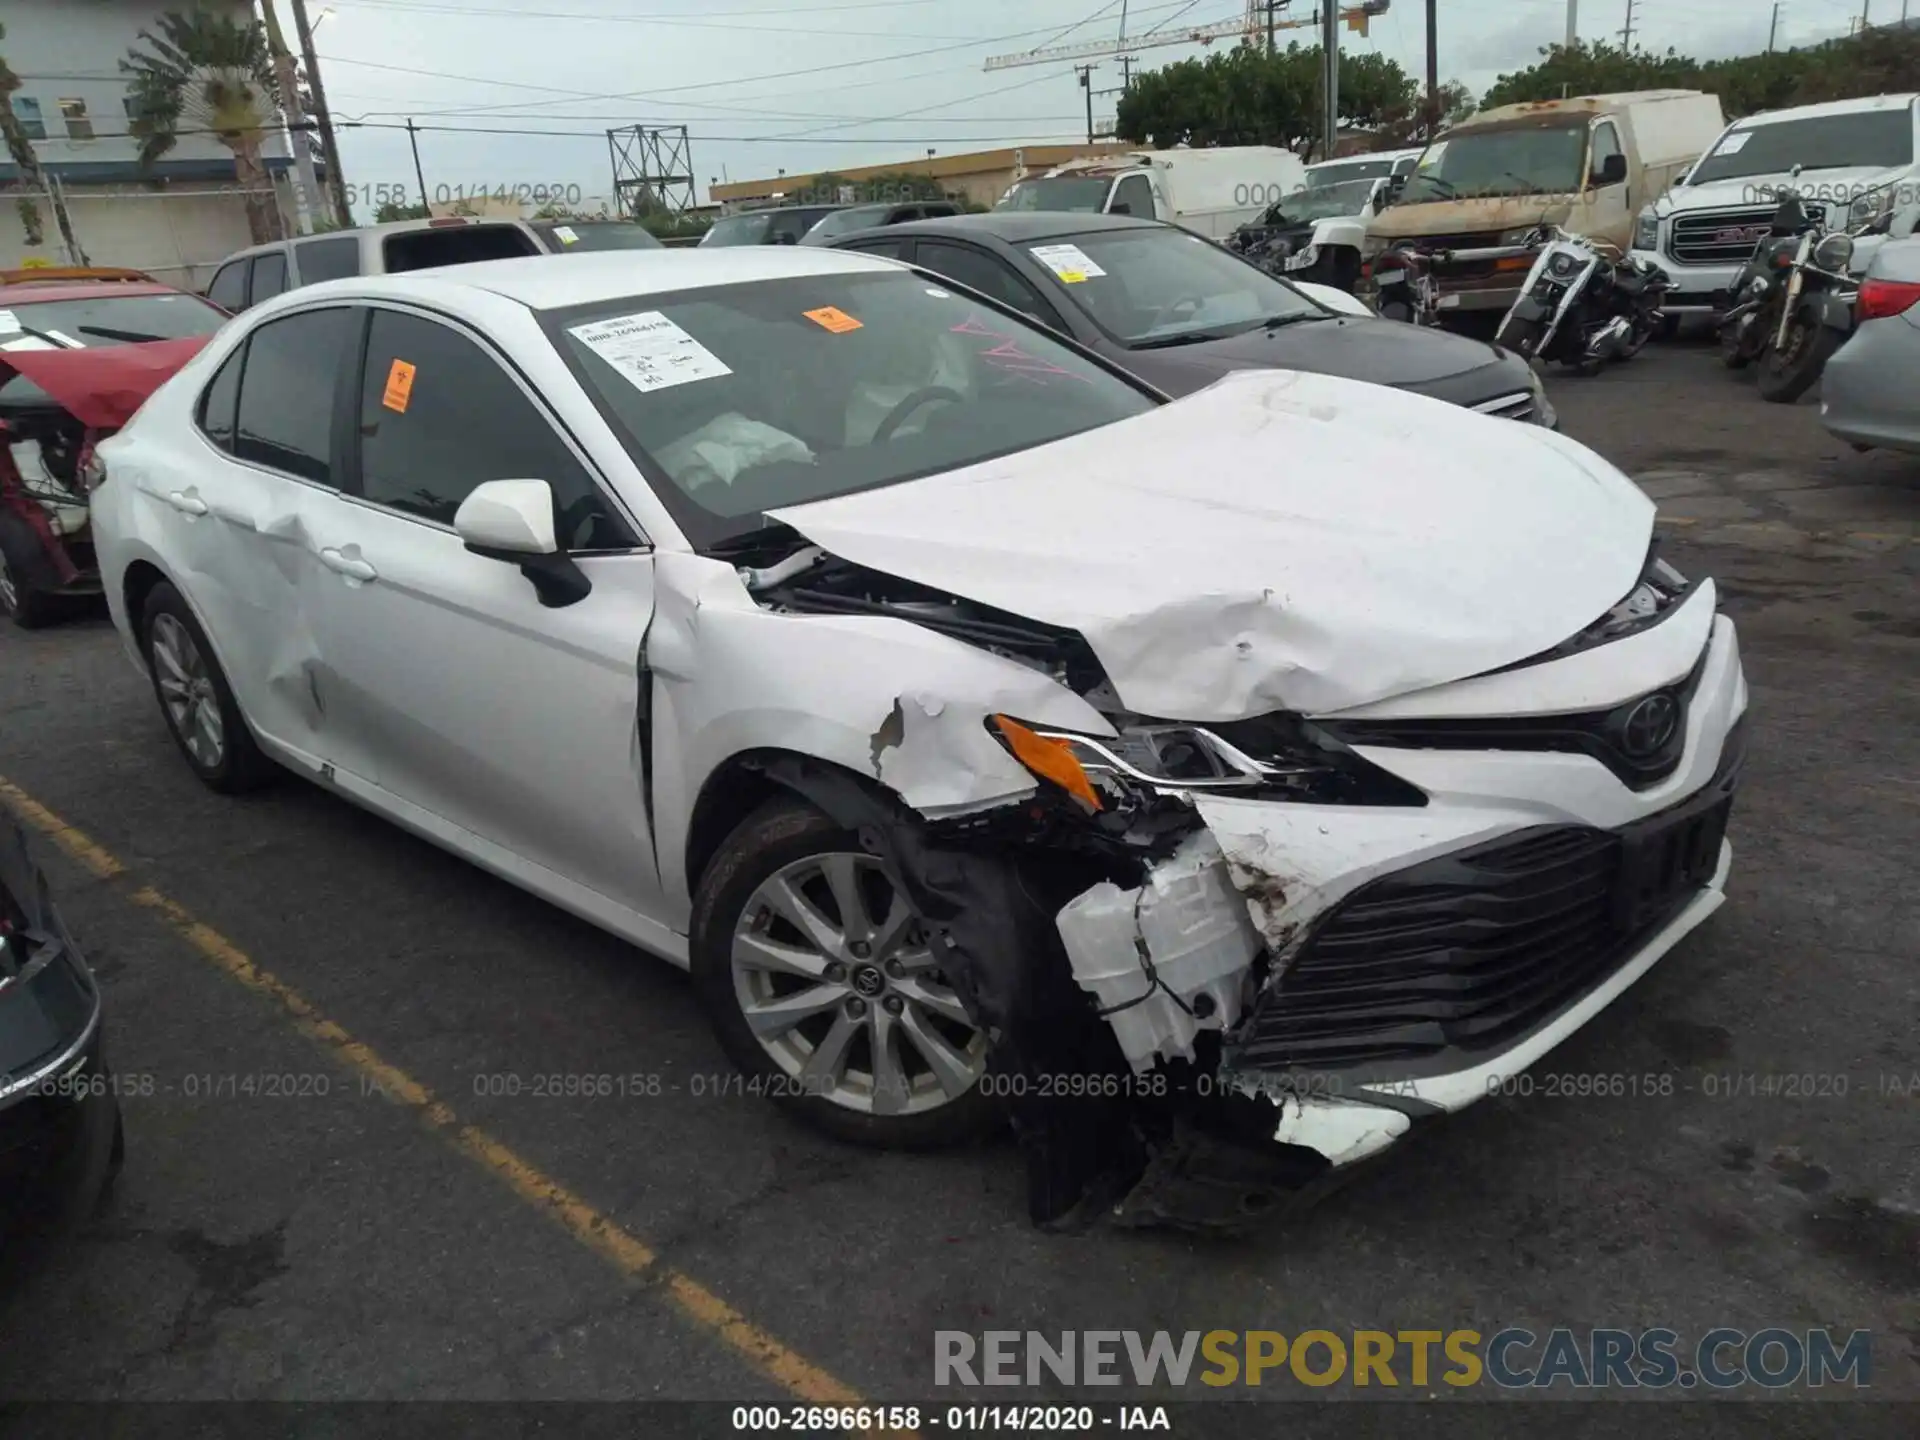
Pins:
<point x="1867" y="395"/>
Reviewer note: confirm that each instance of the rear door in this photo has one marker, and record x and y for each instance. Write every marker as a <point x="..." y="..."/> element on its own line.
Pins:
<point x="269" y="276"/>
<point x="236" y="513"/>
<point x="228" y="288"/>
<point x="456" y="691"/>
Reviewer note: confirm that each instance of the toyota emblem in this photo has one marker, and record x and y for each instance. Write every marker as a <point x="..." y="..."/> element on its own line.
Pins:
<point x="1650" y="725"/>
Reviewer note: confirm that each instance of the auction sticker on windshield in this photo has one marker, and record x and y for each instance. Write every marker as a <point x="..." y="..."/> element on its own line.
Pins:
<point x="1069" y="262"/>
<point x="650" y="351"/>
<point x="1734" y="143"/>
<point x="832" y="317"/>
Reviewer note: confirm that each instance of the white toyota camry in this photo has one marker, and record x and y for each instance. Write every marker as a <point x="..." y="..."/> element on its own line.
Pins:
<point x="1219" y="787"/>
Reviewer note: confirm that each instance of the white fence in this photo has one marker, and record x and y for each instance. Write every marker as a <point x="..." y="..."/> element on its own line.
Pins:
<point x="175" y="234"/>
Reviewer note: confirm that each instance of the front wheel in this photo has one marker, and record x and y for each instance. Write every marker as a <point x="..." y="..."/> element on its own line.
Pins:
<point x="1791" y="369"/>
<point x="1735" y="352"/>
<point x="816" y="974"/>
<point x="20" y="601"/>
<point x="196" y="699"/>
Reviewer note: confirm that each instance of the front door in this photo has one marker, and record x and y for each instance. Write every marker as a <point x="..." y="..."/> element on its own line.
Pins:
<point x="452" y="688"/>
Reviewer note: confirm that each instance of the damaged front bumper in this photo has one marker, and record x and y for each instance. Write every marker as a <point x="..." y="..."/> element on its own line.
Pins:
<point x="1337" y="974"/>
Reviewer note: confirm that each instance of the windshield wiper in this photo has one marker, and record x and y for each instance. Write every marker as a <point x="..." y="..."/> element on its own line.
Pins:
<point x="50" y="339"/>
<point x="1185" y="337"/>
<point x="1280" y="322"/>
<point x="131" y="337"/>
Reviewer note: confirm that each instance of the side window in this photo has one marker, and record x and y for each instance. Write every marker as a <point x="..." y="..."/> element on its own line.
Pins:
<point x="218" y="402"/>
<point x="287" y="390"/>
<point x="1133" y="196"/>
<point x="438" y="416"/>
<point x="269" y="275"/>
<point x="980" y="271"/>
<point x="335" y="258"/>
<point x="893" y="247"/>
<point x="903" y="214"/>
<point x="789" y="226"/>
<point x="228" y="288"/>
<point x="1606" y="144"/>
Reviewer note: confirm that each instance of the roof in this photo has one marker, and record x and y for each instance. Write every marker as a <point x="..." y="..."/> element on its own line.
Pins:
<point x="553" y="282"/>
<point x="1573" y="107"/>
<point x="1034" y="157"/>
<point x="1019" y="227"/>
<point x="392" y="227"/>
<point x="1830" y="107"/>
<point x="1366" y="155"/>
<point x="12" y="297"/>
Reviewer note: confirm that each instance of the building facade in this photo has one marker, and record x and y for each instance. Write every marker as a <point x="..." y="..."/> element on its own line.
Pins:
<point x="979" y="178"/>
<point x="175" y="219"/>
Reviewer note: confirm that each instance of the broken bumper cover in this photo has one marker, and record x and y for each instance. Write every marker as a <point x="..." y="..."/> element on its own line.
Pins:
<point x="1419" y="958"/>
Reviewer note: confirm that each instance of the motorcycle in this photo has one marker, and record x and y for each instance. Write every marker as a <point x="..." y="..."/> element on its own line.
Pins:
<point x="1404" y="287"/>
<point x="1752" y="321"/>
<point x="1816" y="316"/>
<point x="1584" y="304"/>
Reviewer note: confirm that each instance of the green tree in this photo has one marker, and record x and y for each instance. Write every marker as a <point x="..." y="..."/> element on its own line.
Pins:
<point x="20" y="148"/>
<point x="1249" y="97"/>
<point x="393" y="210"/>
<point x="1591" y="68"/>
<point x="208" y="71"/>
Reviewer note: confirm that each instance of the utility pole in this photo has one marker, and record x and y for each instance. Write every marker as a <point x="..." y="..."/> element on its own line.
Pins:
<point x="323" y="117"/>
<point x="1573" y="23"/>
<point x="1085" y="72"/>
<point x="413" y="138"/>
<point x="1330" y="42"/>
<point x="1272" y="6"/>
<point x="1626" y="34"/>
<point x="1773" y="30"/>
<point x="296" y="116"/>
<point x="1433" y="67"/>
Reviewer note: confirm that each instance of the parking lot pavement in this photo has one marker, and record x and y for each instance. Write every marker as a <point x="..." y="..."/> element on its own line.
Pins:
<point x="354" y="1244"/>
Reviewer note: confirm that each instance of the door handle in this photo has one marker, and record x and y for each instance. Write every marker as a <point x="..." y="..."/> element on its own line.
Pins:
<point x="187" y="501"/>
<point x="347" y="565"/>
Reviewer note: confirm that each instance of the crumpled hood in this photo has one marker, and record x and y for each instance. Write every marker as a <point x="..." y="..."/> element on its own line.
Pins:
<point x="1279" y="541"/>
<point x="1829" y="187"/>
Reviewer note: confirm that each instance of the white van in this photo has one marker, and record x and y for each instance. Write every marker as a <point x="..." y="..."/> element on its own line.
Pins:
<point x="1847" y="159"/>
<point x="1211" y="192"/>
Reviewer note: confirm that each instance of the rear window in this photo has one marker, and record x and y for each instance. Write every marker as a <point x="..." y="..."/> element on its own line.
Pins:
<point x="335" y="258"/>
<point x="566" y="236"/>
<point x="845" y="222"/>
<point x="455" y="245"/>
<point x="739" y="230"/>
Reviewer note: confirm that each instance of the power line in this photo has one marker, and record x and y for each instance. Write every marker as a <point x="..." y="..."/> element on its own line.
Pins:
<point x="642" y="18"/>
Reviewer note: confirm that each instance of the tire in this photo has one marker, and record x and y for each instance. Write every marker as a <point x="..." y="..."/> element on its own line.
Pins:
<point x="20" y="601"/>
<point x="1788" y="374"/>
<point x="195" y="698"/>
<point x="786" y="843"/>
<point x="1733" y="354"/>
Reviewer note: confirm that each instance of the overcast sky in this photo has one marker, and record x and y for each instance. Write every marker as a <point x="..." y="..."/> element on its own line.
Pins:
<point x="765" y="86"/>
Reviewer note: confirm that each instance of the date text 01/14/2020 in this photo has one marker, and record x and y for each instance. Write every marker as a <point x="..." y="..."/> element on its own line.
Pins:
<point x="504" y="193"/>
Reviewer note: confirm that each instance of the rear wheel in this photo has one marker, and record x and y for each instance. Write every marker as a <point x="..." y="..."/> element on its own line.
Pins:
<point x="196" y="699"/>
<point x="816" y="975"/>
<point x="1735" y="353"/>
<point x="1792" y="368"/>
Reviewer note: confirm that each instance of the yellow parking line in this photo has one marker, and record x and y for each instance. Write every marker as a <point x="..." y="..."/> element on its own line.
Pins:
<point x="626" y="1252"/>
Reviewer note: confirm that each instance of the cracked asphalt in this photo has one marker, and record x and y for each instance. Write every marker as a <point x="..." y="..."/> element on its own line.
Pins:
<point x="324" y="1243"/>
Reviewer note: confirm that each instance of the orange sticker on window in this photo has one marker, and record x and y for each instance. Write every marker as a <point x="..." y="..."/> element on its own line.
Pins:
<point x="831" y="317"/>
<point x="399" y="387"/>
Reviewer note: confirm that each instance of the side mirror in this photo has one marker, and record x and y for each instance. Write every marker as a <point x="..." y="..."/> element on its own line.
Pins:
<point x="1612" y="170"/>
<point x="1120" y="207"/>
<point x="512" y="520"/>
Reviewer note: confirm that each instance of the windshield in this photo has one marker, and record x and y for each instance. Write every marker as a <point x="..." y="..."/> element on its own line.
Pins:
<point x="739" y="229"/>
<point x="1066" y="192"/>
<point x="750" y="397"/>
<point x="1322" y="176"/>
<point x="845" y="222"/>
<point x="1533" y="160"/>
<point x="1320" y="202"/>
<point x="1876" y="139"/>
<point x="569" y="235"/>
<point x="104" y="320"/>
<point x="1158" y="285"/>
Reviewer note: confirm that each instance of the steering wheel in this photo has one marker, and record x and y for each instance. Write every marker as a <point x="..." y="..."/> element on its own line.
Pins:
<point x="925" y="395"/>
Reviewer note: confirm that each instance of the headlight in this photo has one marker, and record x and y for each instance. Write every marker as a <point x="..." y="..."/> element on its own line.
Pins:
<point x="1304" y="259"/>
<point x="1646" y="231"/>
<point x="1517" y="237"/>
<point x="1870" y="206"/>
<point x="1278" y="756"/>
<point x="1834" y="253"/>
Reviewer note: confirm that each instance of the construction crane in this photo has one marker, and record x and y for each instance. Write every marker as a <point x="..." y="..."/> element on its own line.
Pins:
<point x="1254" y="24"/>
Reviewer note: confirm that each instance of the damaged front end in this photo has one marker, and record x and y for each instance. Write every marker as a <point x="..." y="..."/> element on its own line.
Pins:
<point x="1097" y="929"/>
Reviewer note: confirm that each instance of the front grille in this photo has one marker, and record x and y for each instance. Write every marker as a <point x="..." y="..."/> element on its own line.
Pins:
<point x="1482" y="240"/>
<point x="1724" y="237"/>
<point x="1613" y="737"/>
<point x="1518" y="406"/>
<point x="1467" y="953"/>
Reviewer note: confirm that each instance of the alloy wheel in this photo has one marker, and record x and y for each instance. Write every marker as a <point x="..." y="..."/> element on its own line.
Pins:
<point x="9" y="591"/>
<point x="834" y="978"/>
<point x="187" y="690"/>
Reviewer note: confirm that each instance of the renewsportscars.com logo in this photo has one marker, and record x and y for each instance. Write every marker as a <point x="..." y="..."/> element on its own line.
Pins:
<point x="1512" y="1359"/>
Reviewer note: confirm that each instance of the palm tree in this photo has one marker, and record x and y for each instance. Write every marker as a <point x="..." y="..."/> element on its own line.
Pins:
<point x="20" y="147"/>
<point x="208" y="72"/>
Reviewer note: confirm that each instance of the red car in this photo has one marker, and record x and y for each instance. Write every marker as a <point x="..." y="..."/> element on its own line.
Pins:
<point x="80" y="350"/>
